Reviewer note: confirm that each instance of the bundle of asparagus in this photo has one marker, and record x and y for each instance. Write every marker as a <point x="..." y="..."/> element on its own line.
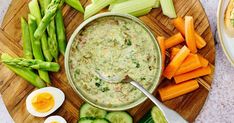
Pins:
<point x="43" y="38"/>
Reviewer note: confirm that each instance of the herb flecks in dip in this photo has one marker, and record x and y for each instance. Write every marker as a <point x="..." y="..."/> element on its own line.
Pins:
<point x="114" y="46"/>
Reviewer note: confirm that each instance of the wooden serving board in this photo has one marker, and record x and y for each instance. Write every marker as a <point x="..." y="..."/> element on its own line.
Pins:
<point x="14" y="89"/>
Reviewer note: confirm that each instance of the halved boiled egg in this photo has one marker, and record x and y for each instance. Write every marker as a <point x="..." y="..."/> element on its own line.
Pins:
<point x="44" y="101"/>
<point x="55" y="119"/>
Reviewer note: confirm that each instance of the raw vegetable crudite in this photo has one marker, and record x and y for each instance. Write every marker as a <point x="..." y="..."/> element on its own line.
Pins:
<point x="168" y="8"/>
<point x="94" y="8"/>
<point x="190" y="34"/>
<point x="31" y="63"/>
<point x="75" y="4"/>
<point x="60" y="30"/>
<point x="193" y="74"/>
<point x="26" y="39"/>
<point x="88" y="110"/>
<point x="36" y="47"/>
<point x="43" y="6"/>
<point x="155" y="115"/>
<point x="134" y="7"/>
<point x="161" y="41"/>
<point x="35" y="11"/>
<point x="173" y="52"/>
<point x="192" y="62"/>
<point x="180" y="26"/>
<point x="27" y="74"/>
<point x="204" y="62"/>
<point x="174" y="40"/>
<point x="52" y="39"/>
<point x="175" y="90"/>
<point x="176" y="62"/>
<point x="119" y="117"/>
<point x="49" y="15"/>
<point x="91" y="114"/>
<point x="113" y="3"/>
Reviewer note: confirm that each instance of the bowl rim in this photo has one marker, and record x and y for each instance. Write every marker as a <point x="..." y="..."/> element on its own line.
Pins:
<point x="67" y="53"/>
<point x="220" y="33"/>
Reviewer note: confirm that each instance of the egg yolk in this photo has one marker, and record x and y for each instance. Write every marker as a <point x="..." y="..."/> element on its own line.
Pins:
<point x="43" y="102"/>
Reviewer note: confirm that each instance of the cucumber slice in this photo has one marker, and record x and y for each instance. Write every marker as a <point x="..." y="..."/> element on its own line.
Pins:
<point x="101" y="120"/>
<point x="157" y="115"/>
<point x="87" y="110"/>
<point x="86" y="120"/>
<point x="119" y="117"/>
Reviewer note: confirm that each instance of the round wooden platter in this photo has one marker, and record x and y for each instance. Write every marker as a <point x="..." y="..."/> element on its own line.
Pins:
<point x="14" y="89"/>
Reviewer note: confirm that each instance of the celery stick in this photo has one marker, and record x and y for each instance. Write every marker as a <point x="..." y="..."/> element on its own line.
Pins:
<point x="141" y="12"/>
<point x="133" y="6"/>
<point x="94" y="8"/>
<point x="114" y="3"/>
<point x="94" y="1"/>
<point x="75" y="4"/>
<point x="168" y="8"/>
<point x="157" y="4"/>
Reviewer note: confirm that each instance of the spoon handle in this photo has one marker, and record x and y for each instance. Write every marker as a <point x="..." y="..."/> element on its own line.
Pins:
<point x="170" y="115"/>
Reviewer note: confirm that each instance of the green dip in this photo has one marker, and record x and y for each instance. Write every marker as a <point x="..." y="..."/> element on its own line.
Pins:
<point x="114" y="46"/>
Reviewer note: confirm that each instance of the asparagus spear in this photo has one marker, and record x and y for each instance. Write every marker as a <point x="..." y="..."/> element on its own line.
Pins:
<point x="35" y="11"/>
<point x="52" y="40"/>
<point x="49" y="15"/>
<point x="75" y="4"/>
<point x="36" y="47"/>
<point x="26" y="39"/>
<point x="31" y="63"/>
<point x="27" y="74"/>
<point x="61" y="37"/>
<point x="43" y="6"/>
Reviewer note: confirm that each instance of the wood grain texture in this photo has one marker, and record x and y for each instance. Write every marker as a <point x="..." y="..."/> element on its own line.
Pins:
<point x="15" y="90"/>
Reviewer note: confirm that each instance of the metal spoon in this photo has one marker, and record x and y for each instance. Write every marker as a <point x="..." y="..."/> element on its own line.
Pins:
<point x="170" y="115"/>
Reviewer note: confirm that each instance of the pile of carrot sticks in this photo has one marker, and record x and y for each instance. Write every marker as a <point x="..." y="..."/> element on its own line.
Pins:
<point x="185" y="63"/>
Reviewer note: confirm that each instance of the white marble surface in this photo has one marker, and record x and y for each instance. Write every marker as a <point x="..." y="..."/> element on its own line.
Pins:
<point x="219" y="107"/>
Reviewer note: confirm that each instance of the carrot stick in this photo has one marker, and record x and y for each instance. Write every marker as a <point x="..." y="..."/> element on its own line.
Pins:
<point x="189" y="34"/>
<point x="174" y="40"/>
<point x="204" y="62"/>
<point x="193" y="74"/>
<point x="192" y="62"/>
<point x="174" y="51"/>
<point x="161" y="41"/>
<point x="179" y="25"/>
<point x="175" y="90"/>
<point x="176" y="62"/>
<point x="200" y="42"/>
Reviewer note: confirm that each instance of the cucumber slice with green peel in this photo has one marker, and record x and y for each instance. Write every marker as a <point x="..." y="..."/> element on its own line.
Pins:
<point x="88" y="110"/>
<point x="157" y="115"/>
<point x="101" y="120"/>
<point x="86" y="120"/>
<point x="119" y="117"/>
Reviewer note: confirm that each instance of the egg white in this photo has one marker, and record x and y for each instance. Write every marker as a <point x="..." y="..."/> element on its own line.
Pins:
<point x="56" y="118"/>
<point x="57" y="94"/>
